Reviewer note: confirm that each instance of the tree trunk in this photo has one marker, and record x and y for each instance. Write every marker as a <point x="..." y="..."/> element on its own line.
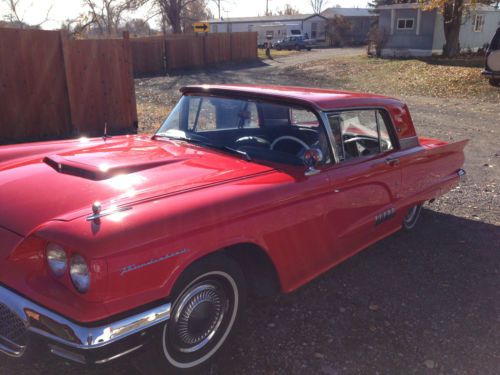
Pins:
<point x="452" y="15"/>
<point x="172" y="10"/>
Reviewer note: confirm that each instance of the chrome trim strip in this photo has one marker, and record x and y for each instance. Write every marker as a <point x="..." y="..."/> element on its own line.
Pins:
<point x="46" y="323"/>
<point x="60" y="352"/>
<point x="109" y="211"/>
<point x="11" y="349"/>
<point x="107" y="360"/>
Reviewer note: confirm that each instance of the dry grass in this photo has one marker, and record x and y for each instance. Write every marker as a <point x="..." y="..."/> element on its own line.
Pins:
<point x="274" y="53"/>
<point x="151" y="115"/>
<point x="433" y="77"/>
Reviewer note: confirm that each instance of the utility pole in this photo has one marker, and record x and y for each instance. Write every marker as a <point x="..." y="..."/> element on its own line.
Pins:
<point x="267" y="7"/>
<point x="218" y="7"/>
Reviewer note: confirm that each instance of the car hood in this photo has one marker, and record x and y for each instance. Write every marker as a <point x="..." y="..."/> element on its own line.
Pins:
<point x="121" y="171"/>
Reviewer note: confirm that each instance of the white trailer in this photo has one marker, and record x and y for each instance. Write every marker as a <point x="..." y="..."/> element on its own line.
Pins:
<point x="274" y="32"/>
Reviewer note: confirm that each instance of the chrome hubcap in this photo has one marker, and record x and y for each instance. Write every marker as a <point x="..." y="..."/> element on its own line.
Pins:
<point x="198" y="316"/>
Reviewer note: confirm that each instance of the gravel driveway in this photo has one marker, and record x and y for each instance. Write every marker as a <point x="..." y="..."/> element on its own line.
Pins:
<point x="423" y="302"/>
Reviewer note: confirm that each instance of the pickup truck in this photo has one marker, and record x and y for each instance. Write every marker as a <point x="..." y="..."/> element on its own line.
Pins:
<point x="148" y="245"/>
<point x="296" y="42"/>
<point x="492" y="63"/>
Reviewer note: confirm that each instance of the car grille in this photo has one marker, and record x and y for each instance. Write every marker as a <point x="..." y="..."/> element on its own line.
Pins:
<point x="13" y="332"/>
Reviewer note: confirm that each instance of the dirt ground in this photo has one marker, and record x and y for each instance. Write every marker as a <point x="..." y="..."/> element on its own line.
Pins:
<point x="423" y="302"/>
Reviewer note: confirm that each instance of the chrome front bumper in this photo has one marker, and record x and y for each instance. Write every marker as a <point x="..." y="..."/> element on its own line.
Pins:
<point x="56" y="329"/>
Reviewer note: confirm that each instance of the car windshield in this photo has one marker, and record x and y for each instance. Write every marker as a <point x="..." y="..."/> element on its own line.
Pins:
<point x="254" y="129"/>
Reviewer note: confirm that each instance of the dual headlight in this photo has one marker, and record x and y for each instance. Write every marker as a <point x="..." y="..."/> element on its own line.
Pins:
<point x="57" y="259"/>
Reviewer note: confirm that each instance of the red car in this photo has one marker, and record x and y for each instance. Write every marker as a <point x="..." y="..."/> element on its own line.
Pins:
<point x="112" y="245"/>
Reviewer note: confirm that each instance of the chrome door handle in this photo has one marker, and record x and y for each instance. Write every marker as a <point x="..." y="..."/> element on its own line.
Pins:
<point x="336" y="190"/>
<point x="392" y="161"/>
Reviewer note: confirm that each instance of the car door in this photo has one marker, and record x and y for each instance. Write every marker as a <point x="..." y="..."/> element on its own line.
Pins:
<point x="364" y="182"/>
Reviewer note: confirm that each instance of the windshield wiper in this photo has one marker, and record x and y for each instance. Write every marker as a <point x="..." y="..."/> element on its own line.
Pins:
<point x="199" y="140"/>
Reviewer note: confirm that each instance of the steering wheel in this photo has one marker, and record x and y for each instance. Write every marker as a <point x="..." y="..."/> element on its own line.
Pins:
<point x="384" y="145"/>
<point x="360" y="138"/>
<point x="253" y="139"/>
<point x="290" y="138"/>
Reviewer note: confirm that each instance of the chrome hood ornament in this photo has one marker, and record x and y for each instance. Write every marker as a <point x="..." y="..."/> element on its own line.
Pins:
<point x="98" y="212"/>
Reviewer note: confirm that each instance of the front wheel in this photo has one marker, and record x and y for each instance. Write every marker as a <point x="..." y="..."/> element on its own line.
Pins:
<point x="208" y="302"/>
<point x="411" y="218"/>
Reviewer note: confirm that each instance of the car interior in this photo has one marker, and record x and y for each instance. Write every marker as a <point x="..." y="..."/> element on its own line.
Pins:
<point x="359" y="134"/>
<point x="263" y="130"/>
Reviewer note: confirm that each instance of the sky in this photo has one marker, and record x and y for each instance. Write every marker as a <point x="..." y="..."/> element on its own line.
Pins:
<point x="34" y="11"/>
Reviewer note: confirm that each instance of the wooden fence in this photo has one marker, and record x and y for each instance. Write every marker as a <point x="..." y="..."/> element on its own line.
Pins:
<point x="53" y="87"/>
<point x="158" y="55"/>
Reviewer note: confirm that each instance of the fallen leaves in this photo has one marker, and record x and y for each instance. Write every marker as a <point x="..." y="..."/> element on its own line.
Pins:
<point x="431" y="77"/>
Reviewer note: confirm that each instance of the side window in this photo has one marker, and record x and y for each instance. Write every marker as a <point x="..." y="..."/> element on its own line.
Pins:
<point x="360" y="133"/>
<point x="495" y="43"/>
<point x="302" y="117"/>
<point x="385" y="137"/>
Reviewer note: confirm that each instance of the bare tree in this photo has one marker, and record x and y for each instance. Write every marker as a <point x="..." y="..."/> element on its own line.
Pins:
<point x="220" y="5"/>
<point x="138" y="26"/>
<point x="16" y="15"/>
<point x="107" y="15"/>
<point x="338" y="31"/>
<point x="318" y="5"/>
<point x="287" y="10"/>
<point x="196" y="11"/>
<point x="173" y="12"/>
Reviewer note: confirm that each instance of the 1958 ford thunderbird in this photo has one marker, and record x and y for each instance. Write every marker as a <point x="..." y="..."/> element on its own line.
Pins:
<point x="149" y="244"/>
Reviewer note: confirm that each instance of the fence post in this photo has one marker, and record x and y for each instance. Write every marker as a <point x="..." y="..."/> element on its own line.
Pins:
<point x="204" y="46"/>
<point x="69" y="83"/>
<point x="128" y="54"/>
<point x="164" y="56"/>
<point x="165" y="43"/>
<point x="231" y="46"/>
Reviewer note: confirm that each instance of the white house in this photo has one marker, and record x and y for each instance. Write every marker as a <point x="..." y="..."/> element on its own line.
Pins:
<point x="311" y="24"/>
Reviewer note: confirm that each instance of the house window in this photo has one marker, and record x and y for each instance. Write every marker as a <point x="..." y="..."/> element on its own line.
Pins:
<point x="250" y="27"/>
<point x="215" y="28"/>
<point x="405" y="23"/>
<point x="478" y="23"/>
<point x="314" y="30"/>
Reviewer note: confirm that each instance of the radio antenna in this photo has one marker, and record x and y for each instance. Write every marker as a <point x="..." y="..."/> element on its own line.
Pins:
<point x="105" y="135"/>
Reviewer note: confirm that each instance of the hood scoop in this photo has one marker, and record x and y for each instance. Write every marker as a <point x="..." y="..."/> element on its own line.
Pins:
<point x="102" y="171"/>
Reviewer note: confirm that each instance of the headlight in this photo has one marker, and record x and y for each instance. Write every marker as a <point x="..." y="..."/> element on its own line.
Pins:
<point x="56" y="259"/>
<point x="80" y="274"/>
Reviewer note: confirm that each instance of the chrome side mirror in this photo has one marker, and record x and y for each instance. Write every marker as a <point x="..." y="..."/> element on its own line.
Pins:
<point x="312" y="158"/>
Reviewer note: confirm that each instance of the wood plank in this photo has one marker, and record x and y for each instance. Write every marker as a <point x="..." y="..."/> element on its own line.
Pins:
<point x="33" y="99"/>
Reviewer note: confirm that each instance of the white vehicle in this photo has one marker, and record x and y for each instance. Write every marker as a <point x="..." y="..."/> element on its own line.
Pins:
<point x="273" y="32"/>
